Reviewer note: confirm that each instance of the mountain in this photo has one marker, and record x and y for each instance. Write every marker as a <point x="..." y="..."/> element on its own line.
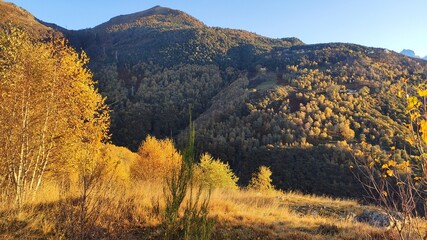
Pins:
<point x="136" y="53"/>
<point x="156" y="17"/>
<point x="409" y="53"/>
<point x="10" y="13"/>
<point x="304" y="110"/>
<point x="167" y="37"/>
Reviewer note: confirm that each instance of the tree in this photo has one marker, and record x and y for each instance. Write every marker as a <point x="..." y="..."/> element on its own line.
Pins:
<point x="213" y="173"/>
<point x="261" y="181"/>
<point x="51" y="116"/>
<point x="346" y="132"/>
<point x="158" y="159"/>
<point x="396" y="184"/>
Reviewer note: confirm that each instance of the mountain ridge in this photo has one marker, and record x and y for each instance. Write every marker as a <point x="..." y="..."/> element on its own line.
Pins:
<point x="161" y="17"/>
<point x="11" y="13"/>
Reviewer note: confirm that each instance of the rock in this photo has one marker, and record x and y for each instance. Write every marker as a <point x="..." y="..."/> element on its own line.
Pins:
<point x="375" y="218"/>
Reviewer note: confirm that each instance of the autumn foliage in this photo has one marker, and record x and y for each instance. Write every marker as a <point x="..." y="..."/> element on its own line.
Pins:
<point x="158" y="159"/>
<point x="261" y="180"/>
<point x="51" y="117"/>
<point x="212" y="173"/>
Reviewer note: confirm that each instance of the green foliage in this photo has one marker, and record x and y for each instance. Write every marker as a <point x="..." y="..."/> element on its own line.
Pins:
<point x="261" y="180"/>
<point x="212" y="173"/>
<point x="194" y="224"/>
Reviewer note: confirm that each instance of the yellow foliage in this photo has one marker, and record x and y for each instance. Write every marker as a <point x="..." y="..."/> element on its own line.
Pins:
<point x="410" y="141"/>
<point x="52" y="119"/>
<point x="261" y="180"/>
<point x="214" y="174"/>
<point x="118" y="161"/>
<point x="422" y="92"/>
<point x="158" y="159"/>
<point x="403" y="166"/>
<point x="414" y="115"/>
<point x="423" y="130"/>
<point x="412" y="103"/>
<point x="391" y="163"/>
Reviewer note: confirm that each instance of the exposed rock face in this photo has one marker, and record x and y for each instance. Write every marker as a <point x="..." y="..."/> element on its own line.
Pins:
<point x="378" y="218"/>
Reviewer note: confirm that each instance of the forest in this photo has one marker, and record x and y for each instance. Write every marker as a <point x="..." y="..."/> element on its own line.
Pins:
<point x="255" y="101"/>
<point x="154" y="125"/>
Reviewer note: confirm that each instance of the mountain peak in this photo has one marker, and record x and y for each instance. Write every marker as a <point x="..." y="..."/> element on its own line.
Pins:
<point x="409" y="53"/>
<point x="157" y="17"/>
<point x="158" y="10"/>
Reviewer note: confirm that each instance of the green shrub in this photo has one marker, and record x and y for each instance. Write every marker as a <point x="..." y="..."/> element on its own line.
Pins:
<point x="194" y="224"/>
<point x="213" y="173"/>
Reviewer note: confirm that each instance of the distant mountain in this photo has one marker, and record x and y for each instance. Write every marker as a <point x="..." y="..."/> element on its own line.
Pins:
<point x="304" y="110"/>
<point x="411" y="53"/>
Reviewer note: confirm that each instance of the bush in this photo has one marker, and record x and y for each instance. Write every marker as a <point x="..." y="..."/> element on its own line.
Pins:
<point x="261" y="181"/>
<point x="157" y="160"/>
<point x="213" y="173"/>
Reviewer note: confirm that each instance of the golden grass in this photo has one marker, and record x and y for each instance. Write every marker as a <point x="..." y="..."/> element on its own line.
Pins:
<point x="136" y="213"/>
<point x="271" y="213"/>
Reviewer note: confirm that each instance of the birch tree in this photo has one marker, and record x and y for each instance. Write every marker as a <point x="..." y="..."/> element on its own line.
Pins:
<point x="50" y="112"/>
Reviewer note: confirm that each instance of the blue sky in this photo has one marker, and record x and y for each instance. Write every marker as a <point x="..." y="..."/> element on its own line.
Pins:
<point x="392" y="24"/>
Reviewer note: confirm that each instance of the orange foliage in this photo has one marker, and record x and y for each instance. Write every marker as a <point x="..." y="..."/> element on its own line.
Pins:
<point x="157" y="160"/>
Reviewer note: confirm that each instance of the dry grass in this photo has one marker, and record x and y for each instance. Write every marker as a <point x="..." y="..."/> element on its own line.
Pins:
<point x="136" y="213"/>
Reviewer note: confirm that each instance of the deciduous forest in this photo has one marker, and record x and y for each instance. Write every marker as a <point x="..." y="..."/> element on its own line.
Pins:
<point x="155" y="126"/>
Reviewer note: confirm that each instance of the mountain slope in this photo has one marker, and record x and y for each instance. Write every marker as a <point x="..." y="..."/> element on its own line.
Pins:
<point x="10" y="13"/>
<point x="140" y="59"/>
<point x="303" y="110"/>
<point x="308" y="111"/>
<point x="157" y="17"/>
<point x="167" y="37"/>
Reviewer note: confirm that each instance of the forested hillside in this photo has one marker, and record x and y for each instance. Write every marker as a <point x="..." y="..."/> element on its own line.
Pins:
<point x="307" y="111"/>
<point x="151" y="65"/>
<point x="304" y="110"/>
<point x="155" y="126"/>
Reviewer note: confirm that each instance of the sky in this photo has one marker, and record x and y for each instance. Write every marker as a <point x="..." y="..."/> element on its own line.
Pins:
<point x="391" y="24"/>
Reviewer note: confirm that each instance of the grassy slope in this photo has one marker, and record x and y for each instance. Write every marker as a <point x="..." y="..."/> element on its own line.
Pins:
<point x="136" y="213"/>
